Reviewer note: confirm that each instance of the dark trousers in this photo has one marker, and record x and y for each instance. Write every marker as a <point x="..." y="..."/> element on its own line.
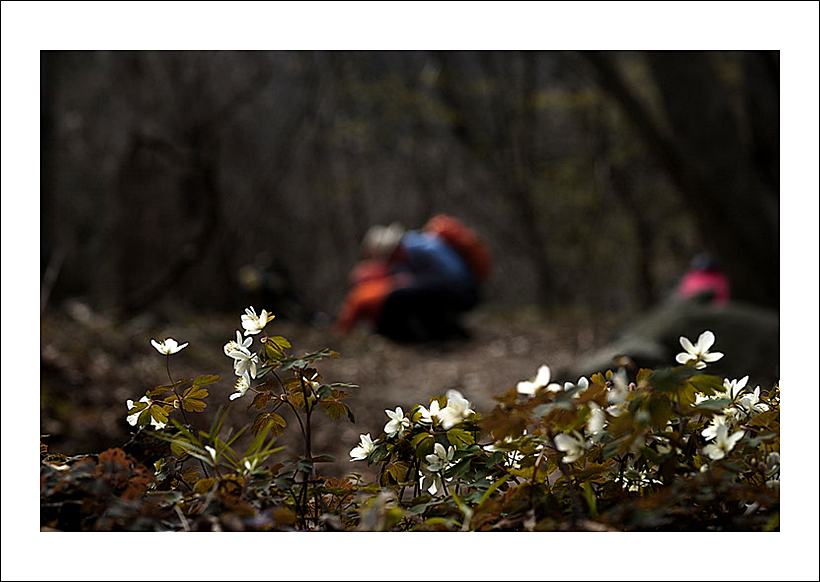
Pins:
<point x="424" y="312"/>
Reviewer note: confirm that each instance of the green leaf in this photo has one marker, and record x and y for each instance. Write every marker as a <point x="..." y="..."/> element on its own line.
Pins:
<point x="273" y="352"/>
<point x="324" y="391"/>
<point x="307" y="359"/>
<point x="158" y="392"/>
<point x="397" y="471"/>
<point x="159" y="414"/>
<point x="261" y="400"/>
<point x="492" y="489"/>
<point x="671" y="379"/>
<point x="137" y="407"/>
<point x="589" y="497"/>
<point x="195" y="392"/>
<point x="423" y="444"/>
<point x="716" y="405"/>
<point x="192" y="399"/>
<point x="379" y="454"/>
<point x="707" y="384"/>
<point x="206" y="379"/>
<point x="280" y="342"/>
<point x="204" y="485"/>
<point x="459" y="437"/>
<point x="333" y="408"/>
<point x="271" y="421"/>
<point x="660" y="410"/>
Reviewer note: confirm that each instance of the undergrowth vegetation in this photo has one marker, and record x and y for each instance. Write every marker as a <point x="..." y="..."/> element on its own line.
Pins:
<point x="666" y="449"/>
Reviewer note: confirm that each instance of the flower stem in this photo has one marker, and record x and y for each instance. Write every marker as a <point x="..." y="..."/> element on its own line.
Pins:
<point x="174" y="388"/>
<point x="308" y="452"/>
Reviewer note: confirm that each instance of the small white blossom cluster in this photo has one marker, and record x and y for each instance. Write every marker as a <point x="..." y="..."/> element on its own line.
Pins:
<point x="435" y="464"/>
<point x="743" y="403"/>
<point x="454" y="413"/>
<point x="457" y="410"/>
<point x="542" y="381"/>
<point x="245" y="362"/>
<point x="574" y="444"/>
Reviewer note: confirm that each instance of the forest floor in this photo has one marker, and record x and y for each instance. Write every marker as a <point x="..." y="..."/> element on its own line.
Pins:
<point x="91" y="365"/>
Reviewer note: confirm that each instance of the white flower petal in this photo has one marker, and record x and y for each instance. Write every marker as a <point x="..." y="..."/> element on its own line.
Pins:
<point x="705" y="341"/>
<point x="684" y="357"/>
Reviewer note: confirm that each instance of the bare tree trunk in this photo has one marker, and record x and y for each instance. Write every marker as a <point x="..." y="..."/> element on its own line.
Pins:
<point x="508" y="152"/>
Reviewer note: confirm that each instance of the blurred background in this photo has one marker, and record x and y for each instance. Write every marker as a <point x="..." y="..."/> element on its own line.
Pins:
<point x="177" y="188"/>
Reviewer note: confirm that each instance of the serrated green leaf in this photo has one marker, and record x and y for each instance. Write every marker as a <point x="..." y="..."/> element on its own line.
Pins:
<point x="205" y="380"/>
<point x="137" y="407"/>
<point x="159" y="414"/>
<point x="281" y="342"/>
<point x="271" y="421"/>
<point x="423" y="444"/>
<point x="459" y="437"/>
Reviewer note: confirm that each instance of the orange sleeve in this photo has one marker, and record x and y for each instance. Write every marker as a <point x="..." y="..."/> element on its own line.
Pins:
<point x="364" y="301"/>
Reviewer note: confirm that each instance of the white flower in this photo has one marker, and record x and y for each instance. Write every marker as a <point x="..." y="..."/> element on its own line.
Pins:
<point x="530" y="387"/>
<point x="512" y="458"/>
<point x="573" y="446"/>
<point x="698" y="354"/>
<point x="617" y="393"/>
<point x="250" y="466"/>
<point x="773" y="461"/>
<point x="252" y="323"/>
<point x="583" y="384"/>
<point x="432" y="482"/>
<point x="773" y="470"/>
<point x="313" y="382"/>
<point x="731" y="388"/>
<point x="724" y="442"/>
<point x="244" y="364"/>
<point x="710" y="431"/>
<point x="750" y="403"/>
<point x="457" y="409"/>
<point x="441" y="458"/>
<point x="241" y="387"/>
<point x="397" y="424"/>
<point x="366" y="446"/>
<point x="212" y="452"/>
<point x="134" y="418"/>
<point x="439" y="461"/>
<point x="664" y="447"/>
<point x="239" y="345"/>
<point x="634" y="479"/>
<point x="596" y="420"/>
<point x="427" y="416"/>
<point x="169" y="346"/>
